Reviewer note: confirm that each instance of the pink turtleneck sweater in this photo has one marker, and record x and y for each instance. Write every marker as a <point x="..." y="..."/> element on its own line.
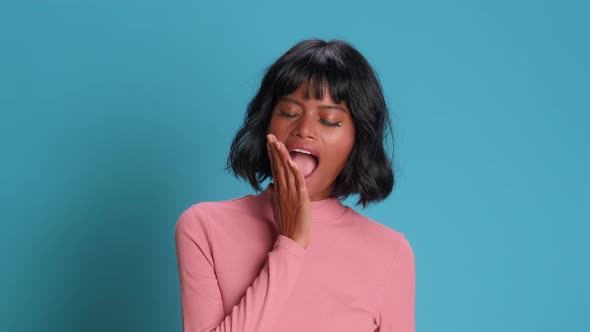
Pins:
<point x="237" y="274"/>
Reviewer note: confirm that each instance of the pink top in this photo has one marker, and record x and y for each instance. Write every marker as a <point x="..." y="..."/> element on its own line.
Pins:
<point x="237" y="274"/>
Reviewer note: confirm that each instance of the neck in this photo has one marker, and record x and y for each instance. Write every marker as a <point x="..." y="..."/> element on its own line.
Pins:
<point x="324" y="194"/>
<point x="323" y="210"/>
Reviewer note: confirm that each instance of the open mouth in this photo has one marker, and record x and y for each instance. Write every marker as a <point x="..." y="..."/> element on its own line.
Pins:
<point x="307" y="163"/>
<point x="313" y="171"/>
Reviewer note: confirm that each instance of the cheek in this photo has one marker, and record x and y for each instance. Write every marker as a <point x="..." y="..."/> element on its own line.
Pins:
<point x="346" y="147"/>
<point x="340" y="149"/>
<point x="272" y="124"/>
<point x="278" y="128"/>
<point x="345" y="141"/>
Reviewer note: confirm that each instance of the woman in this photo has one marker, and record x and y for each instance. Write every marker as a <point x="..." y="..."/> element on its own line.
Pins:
<point x="293" y="257"/>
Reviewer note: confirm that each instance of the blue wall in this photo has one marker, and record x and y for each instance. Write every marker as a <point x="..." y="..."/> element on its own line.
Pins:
<point x="117" y="115"/>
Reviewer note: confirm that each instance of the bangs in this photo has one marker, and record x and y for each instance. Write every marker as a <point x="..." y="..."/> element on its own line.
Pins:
<point x="318" y="72"/>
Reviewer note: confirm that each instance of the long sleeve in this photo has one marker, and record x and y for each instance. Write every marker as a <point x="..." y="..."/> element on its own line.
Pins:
<point x="201" y="298"/>
<point x="398" y="308"/>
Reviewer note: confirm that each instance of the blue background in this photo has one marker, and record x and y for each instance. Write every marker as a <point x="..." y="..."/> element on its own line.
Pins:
<point x="118" y="115"/>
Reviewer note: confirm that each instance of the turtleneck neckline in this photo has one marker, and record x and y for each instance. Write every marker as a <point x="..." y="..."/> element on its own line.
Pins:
<point x="322" y="211"/>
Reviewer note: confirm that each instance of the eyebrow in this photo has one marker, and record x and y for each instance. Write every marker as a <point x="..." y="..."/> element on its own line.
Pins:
<point x="295" y="101"/>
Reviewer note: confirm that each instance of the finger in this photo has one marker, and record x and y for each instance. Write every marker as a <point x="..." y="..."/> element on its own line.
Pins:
<point x="291" y="186"/>
<point x="275" y="164"/>
<point x="272" y="197"/>
<point x="269" y="152"/>
<point x="279" y="168"/>
<point x="272" y="156"/>
<point x="275" y="213"/>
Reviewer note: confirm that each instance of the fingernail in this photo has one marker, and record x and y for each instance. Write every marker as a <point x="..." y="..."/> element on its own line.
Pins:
<point x="278" y="144"/>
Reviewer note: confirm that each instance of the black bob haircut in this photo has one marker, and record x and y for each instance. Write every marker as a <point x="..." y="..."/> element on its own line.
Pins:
<point x="350" y="78"/>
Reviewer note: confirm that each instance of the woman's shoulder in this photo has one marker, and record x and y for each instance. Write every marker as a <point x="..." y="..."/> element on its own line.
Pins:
<point x="237" y="205"/>
<point x="202" y="211"/>
<point x="379" y="232"/>
<point x="230" y="203"/>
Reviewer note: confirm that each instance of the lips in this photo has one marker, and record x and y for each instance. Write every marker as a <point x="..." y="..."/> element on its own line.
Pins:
<point x="314" y="152"/>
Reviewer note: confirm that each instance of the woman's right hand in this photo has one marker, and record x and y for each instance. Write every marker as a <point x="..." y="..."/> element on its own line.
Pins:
<point x="290" y="200"/>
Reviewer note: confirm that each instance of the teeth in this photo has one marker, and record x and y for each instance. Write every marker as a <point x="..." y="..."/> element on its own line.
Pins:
<point x="302" y="151"/>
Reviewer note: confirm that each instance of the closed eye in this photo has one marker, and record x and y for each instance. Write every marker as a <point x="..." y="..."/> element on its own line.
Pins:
<point x="327" y="123"/>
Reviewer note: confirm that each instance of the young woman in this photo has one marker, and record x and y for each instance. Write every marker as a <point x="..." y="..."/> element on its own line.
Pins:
<point x="292" y="257"/>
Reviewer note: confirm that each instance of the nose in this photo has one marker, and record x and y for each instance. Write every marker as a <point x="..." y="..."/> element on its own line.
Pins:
<point x="305" y="127"/>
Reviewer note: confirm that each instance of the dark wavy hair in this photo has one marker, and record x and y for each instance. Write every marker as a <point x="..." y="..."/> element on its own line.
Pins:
<point x="350" y="78"/>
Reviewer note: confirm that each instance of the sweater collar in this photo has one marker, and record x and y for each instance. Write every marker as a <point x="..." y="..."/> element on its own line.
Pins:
<point x="325" y="210"/>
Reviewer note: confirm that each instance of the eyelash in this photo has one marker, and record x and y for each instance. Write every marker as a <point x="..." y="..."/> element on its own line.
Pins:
<point x="328" y="123"/>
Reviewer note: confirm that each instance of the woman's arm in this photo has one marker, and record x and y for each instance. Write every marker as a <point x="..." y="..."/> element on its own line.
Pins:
<point x="398" y="307"/>
<point x="202" y="305"/>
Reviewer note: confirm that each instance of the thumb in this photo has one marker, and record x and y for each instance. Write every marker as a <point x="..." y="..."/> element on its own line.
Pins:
<point x="273" y="196"/>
